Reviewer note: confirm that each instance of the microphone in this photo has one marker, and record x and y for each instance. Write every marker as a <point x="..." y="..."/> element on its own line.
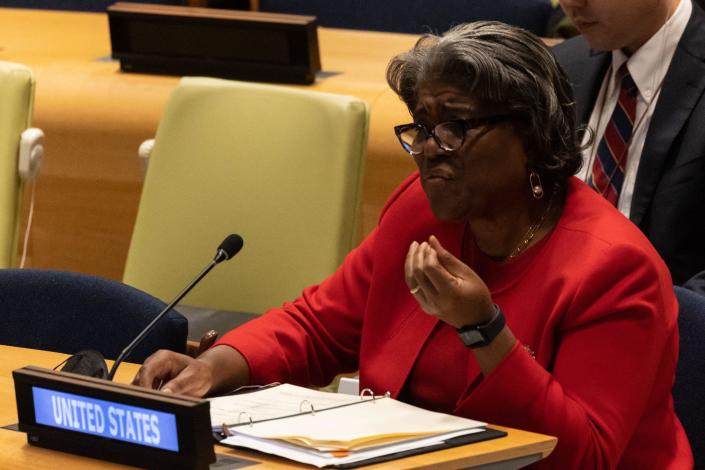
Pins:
<point x="227" y="249"/>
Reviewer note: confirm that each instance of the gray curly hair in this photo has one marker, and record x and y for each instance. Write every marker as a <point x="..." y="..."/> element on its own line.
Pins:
<point x="502" y="67"/>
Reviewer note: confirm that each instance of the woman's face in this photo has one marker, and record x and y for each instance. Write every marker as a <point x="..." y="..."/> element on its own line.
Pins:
<point x="484" y="175"/>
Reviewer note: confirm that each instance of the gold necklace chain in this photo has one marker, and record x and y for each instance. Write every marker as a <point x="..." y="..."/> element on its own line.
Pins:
<point x="531" y="233"/>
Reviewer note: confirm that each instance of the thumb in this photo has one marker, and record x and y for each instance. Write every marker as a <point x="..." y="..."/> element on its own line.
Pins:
<point x="452" y="264"/>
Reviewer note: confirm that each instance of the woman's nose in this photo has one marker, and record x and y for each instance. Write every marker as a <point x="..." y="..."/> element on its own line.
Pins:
<point x="431" y="147"/>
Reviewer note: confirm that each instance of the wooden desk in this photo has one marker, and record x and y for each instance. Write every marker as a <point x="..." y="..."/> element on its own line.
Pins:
<point x="95" y="117"/>
<point x="518" y="446"/>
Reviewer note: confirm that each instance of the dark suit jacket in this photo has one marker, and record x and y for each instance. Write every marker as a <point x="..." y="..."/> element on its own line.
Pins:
<point x="669" y="194"/>
<point x="696" y="283"/>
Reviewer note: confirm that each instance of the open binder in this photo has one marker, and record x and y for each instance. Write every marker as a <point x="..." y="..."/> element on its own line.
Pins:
<point x="334" y="430"/>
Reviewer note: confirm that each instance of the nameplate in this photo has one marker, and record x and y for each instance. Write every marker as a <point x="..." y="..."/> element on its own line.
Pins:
<point x="114" y="422"/>
<point x="244" y="45"/>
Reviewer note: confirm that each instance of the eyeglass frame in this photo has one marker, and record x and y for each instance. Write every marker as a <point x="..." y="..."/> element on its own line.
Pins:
<point x="467" y="124"/>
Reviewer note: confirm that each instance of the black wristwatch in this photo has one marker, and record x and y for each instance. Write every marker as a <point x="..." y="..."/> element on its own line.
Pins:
<point x="477" y="336"/>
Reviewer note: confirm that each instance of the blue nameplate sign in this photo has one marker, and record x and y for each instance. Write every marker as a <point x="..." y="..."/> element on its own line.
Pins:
<point x="105" y="418"/>
<point x="115" y="422"/>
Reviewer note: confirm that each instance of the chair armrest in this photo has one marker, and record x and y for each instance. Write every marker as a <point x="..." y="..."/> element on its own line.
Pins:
<point x="196" y="348"/>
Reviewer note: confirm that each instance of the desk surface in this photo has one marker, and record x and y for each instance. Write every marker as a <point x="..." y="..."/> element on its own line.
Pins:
<point x="17" y="454"/>
<point x="95" y="117"/>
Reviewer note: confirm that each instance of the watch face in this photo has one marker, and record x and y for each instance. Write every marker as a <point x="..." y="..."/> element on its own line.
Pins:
<point x="472" y="337"/>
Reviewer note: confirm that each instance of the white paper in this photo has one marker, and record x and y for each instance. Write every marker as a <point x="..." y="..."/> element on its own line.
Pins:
<point x="383" y="416"/>
<point x="338" y="422"/>
<point x="272" y="402"/>
<point x="318" y="459"/>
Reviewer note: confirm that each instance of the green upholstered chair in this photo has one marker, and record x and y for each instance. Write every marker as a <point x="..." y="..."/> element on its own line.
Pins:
<point x="280" y="166"/>
<point x="16" y="100"/>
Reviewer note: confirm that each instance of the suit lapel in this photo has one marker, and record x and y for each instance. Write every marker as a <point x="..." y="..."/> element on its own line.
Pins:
<point x="585" y="70"/>
<point x="587" y="90"/>
<point x="683" y="85"/>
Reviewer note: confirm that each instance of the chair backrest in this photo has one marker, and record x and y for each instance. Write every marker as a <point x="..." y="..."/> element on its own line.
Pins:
<point x="68" y="312"/>
<point x="280" y="166"/>
<point x="416" y="16"/>
<point x="689" y="389"/>
<point x="16" y="98"/>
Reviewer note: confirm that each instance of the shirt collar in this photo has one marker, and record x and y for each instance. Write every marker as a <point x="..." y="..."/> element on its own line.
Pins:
<point x="649" y="64"/>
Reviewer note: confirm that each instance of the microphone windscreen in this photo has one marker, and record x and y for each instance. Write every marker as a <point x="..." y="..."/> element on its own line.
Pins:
<point x="87" y="362"/>
<point x="231" y="245"/>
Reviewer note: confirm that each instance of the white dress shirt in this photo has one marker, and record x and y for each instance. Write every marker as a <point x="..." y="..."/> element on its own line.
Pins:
<point x="648" y="67"/>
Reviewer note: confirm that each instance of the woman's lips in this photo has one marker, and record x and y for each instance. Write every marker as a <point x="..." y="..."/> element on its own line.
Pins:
<point x="437" y="177"/>
<point x="584" y="24"/>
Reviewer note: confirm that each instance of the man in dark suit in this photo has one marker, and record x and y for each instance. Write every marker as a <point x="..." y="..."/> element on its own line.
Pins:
<point x="655" y="162"/>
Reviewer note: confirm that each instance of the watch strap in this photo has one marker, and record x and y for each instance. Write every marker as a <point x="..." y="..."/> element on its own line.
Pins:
<point x="476" y="336"/>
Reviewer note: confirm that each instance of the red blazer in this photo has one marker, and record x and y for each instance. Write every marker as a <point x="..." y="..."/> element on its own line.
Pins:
<point x="592" y="301"/>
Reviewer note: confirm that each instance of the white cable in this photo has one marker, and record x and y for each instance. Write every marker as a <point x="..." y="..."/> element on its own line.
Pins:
<point x="25" y="242"/>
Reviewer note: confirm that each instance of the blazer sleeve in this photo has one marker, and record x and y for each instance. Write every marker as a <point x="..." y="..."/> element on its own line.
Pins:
<point x="615" y="350"/>
<point x="312" y="339"/>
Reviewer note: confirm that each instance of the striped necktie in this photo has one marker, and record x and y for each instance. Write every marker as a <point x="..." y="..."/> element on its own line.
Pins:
<point x="610" y="161"/>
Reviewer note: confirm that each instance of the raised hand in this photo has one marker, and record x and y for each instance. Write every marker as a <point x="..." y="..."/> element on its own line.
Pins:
<point x="446" y="287"/>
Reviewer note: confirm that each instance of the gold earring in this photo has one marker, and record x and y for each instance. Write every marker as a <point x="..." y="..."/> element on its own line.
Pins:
<point x="536" y="186"/>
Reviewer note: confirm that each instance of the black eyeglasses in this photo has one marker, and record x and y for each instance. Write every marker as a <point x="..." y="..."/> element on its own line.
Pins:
<point x="449" y="135"/>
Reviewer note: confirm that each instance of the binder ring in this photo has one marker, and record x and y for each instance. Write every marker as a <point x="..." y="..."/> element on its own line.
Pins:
<point x="367" y="393"/>
<point x="239" y="417"/>
<point x="301" y="406"/>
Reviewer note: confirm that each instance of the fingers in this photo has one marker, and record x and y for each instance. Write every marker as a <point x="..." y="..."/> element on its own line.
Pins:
<point x="175" y="373"/>
<point x="160" y="368"/>
<point x="426" y="269"/>
<point x="192" y="380"/>
<point x="410" y="269"/>
<point x="423" y="260"/>
<point x="460" y="272"/>
<point x="409" y="266"/>
<point x="417" y="259"/>
<point x="156" y="368"/>
<point x="448" y="288"/>
<point x="437" y="274"/>
<point x="435" y="270"/>
<point x="454" y="266"/>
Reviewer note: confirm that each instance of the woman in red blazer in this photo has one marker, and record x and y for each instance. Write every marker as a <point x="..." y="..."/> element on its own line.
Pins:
<point x="496" y="285"/>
